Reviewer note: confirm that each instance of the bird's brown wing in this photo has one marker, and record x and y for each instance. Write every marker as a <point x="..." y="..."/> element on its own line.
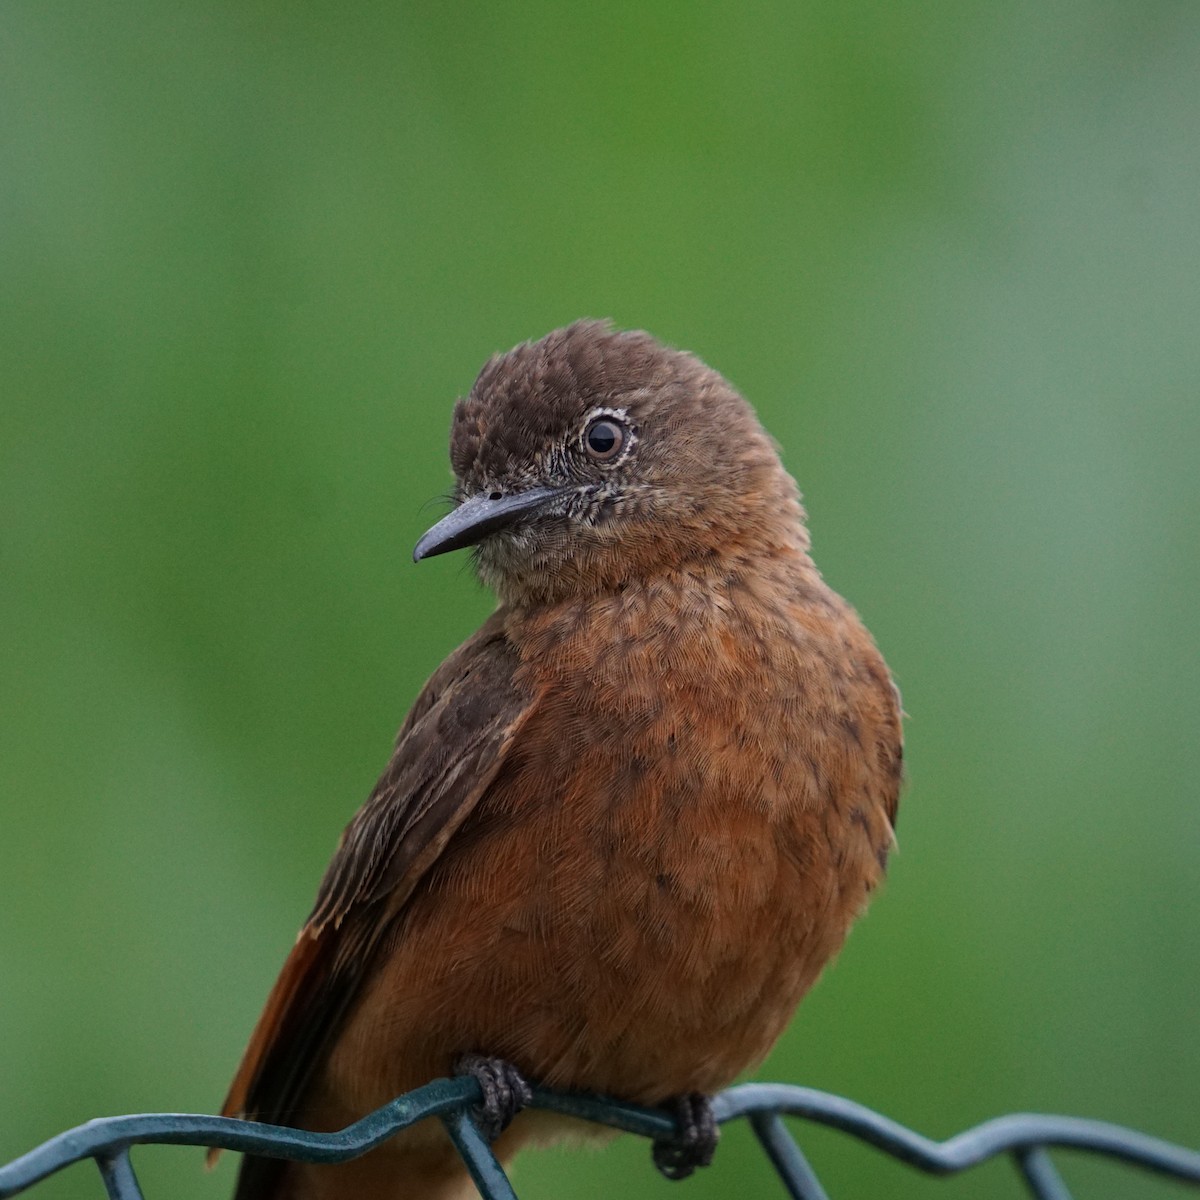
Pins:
<point x="449" y="750"/>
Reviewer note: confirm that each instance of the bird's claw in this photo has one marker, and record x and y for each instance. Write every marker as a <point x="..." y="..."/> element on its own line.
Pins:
<point x="695" y="1138"/>
<point x="505" y="1092"/>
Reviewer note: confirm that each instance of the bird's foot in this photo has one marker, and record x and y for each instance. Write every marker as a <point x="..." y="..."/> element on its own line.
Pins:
<point x="505" y="1092"/>
<point x="695" y="1138"/>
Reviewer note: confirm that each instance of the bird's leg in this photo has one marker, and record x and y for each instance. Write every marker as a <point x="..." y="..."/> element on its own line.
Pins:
<point x="694" y="1141"/>
<point x="505" y="1092"/>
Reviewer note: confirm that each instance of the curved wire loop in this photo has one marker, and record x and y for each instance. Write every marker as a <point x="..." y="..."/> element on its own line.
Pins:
<point x="1025" y="1138"/>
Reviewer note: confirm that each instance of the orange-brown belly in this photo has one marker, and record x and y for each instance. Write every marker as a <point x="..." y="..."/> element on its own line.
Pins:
<point x="638" y="955"/>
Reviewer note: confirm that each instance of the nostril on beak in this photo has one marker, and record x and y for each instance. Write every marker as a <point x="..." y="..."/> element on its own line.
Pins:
<point x="495" y="495"/>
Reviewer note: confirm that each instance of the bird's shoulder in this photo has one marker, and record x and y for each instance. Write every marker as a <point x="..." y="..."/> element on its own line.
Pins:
<point x="449" y="747"/>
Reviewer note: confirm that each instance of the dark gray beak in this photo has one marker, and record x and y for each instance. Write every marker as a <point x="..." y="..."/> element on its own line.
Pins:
<point x="475" y="518"/>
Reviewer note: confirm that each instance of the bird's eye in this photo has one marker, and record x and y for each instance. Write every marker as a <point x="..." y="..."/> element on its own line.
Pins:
<point x="604" y="438"/>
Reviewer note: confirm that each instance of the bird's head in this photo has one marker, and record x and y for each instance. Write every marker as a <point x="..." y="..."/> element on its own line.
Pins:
<point x="593" y="458"/>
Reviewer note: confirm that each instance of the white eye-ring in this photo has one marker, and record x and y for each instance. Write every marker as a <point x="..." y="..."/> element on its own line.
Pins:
<point x="607" y="436"/>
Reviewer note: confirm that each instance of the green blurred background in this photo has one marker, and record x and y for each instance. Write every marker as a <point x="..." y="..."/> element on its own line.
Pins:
<point x="249" y="255"/>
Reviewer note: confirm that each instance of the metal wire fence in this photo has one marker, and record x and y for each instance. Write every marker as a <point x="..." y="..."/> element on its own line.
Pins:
<point x="1025" y="1138"/>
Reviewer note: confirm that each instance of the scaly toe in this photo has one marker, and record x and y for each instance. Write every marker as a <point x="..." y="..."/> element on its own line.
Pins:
<point x="694" y="1141"/>
<point x="505" y="1092"/>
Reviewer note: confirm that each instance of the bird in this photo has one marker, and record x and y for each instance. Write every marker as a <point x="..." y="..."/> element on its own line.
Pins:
<point x="628" y="822"/>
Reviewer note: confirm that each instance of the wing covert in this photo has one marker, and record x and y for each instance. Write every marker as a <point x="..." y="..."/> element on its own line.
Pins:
<point x="448" y="751"/>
